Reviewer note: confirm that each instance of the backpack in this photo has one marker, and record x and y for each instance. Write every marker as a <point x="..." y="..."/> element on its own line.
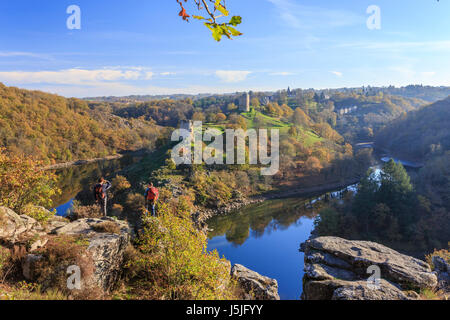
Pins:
<point x="99" y="194"/>
<point x="152" y="194"/>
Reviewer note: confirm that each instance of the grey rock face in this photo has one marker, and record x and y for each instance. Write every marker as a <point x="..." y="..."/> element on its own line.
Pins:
<point x="442" y="271"/>
<point x="106" y="249"/>
<point x="256" y="286"/>
<point x="14" y="228"/>
<point x="337" y="269"/>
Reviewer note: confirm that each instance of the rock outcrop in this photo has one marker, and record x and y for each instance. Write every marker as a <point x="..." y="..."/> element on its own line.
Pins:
<point x="442" y="270"/>
<point x="107" y="241"/>
<point x="15" y="229"/>
<point x="337" y="269"/>
<point x="106" y="249"/>
<point x="255" y="286"/>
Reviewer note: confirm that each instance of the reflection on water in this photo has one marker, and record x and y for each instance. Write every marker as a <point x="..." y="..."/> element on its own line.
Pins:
<point x="75" y="179"/>
<point x="266" y="238"/>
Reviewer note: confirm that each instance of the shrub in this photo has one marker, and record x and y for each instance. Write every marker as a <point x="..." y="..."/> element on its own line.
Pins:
<point x="5" y="256"/>
<point x="120" y="183"/>
<point x="40" y="214"/>
<point x="444" y="254"/>
<point x="107" y="227"/>
<point x="23" y="182"/>
<point x="32" y="291"/>
<point x="60" y="253"/>
<point x="80" y="212"/>
<point x="172" y="262"/>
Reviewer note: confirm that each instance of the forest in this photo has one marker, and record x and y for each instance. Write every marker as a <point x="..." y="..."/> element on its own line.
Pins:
<point x="56" y="129"/>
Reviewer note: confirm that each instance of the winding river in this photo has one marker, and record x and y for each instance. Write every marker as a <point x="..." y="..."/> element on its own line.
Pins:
<point x="264" y="237"/>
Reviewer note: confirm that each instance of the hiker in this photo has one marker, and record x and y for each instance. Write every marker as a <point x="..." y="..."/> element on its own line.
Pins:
<point x="151" y="197"/>
<point x="100" y="195"/>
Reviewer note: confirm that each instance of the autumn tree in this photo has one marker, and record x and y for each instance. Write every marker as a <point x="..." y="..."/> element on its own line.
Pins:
<point x="23" y="183"/>
<point x="221" y="117"/>
<point x="300" y="118"/>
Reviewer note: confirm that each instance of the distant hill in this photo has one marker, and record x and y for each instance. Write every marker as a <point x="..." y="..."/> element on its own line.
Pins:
<point x="419" y="134"/>
<point x="56" y="129"/>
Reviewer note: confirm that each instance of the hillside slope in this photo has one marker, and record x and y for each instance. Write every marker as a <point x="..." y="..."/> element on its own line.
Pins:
<point x="419" y="134"/>
<point x="55" y="129"/>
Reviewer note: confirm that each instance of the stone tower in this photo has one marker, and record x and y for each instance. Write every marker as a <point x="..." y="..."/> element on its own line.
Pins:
<point x="244" y="102"/>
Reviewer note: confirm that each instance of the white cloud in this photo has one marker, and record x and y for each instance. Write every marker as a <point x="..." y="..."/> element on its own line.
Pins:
<point x="232" y="75"/>
<point x="400" y="45"/>
<point x="74" y="76"/>
<point x="283" y="73"/>
<point x="168" y="73"/>
<point x="311" y="17"/>
<point x="337" y="73"/>
<point x="428" y="74"/>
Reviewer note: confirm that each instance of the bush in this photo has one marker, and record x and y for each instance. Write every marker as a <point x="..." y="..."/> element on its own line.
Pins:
<point x="5" y="256"/>
<point x="80" y="212"/>
<point x="60" y="253"/>
<point x="444" y="254"/>
<point x="172" y="262"/>
<point x="32" y="291"/>
<point x="40" y="214"/>
<point x="23" y="182"/>
<point x="107" y="227"/>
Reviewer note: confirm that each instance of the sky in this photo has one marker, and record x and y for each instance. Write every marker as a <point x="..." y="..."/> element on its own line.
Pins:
<point x="144" y="47"/>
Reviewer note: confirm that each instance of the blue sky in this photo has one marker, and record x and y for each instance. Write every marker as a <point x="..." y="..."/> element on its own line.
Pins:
<point x="143" y="47"/>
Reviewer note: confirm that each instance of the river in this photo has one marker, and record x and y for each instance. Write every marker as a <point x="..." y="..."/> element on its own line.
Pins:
<point x="75" y="179"/>
<point x="264" y="237"/>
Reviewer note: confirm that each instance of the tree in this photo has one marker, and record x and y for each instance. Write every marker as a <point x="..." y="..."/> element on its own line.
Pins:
<point x="365" y="199"/>
<point x="313" y="165"/>
<point x="255" y="102"/>
<point x="221" y="117"/>
<point x="396" y="191"/>
<point x="232" y="107"/>
<point x="214" y="10"/>
<point x="300" y="118"/>
<point x="24" y="183"/>
<point x="198" y="116"/>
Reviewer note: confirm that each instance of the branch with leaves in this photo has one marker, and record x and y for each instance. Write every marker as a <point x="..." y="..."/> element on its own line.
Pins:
<point x="214" y="11"/>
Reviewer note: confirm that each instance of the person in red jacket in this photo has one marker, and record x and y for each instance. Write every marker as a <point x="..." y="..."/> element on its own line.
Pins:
<point x="151" y="197"/>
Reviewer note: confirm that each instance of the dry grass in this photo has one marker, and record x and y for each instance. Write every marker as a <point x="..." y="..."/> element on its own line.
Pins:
<point x="82" y="212"/>
<point x="60" y="253"/>
<point x="107" y="227"/>
<point x="2" y="218"/>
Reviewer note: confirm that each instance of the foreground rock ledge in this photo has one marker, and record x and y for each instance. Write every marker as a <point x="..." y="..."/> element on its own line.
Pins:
<point x="336" y="269"/>
<point x="255" y="286"/>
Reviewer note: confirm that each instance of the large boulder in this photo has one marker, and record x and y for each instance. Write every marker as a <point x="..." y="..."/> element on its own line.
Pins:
<point x="336" y="268"/>
<point x="107" y="241"/>
<point x="255" y="286"/>
<point x="108" y="238"/>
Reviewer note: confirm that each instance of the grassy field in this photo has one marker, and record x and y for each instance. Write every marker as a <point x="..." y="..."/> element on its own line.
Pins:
<point x="308" y="137"/>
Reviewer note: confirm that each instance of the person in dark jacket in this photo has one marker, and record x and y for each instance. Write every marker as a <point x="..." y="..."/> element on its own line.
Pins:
<point x="100" y="194"/>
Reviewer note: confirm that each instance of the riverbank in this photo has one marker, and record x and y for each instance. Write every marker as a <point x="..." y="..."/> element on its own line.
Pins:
<point x="202" y="214"/>
<point x="81" y="162"/>
<point x="75" y="163"/>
